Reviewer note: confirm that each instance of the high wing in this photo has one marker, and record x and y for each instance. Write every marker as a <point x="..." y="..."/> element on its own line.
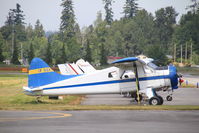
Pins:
<point x="128" y="62"/>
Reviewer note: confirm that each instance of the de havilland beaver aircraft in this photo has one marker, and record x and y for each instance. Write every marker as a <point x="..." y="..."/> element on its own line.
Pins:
<point x="140" y="77"/>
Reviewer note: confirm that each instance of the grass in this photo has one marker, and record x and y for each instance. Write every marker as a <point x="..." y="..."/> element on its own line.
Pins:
<point x="190" y="70"/>
<point x="12" y="98"/>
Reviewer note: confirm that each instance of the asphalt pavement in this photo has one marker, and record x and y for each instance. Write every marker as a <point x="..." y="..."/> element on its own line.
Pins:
<point x="181" y="96"/>
<point x="99" y="121"/>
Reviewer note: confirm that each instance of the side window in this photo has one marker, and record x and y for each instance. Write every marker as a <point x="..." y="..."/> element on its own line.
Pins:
<point x="128" y="74"/>
<point x="112" y="74"/>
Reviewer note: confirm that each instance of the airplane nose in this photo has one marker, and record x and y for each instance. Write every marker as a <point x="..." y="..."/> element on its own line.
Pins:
<point x="173" y="77"/>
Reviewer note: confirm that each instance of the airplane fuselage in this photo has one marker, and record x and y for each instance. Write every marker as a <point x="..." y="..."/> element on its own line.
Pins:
<point x="112" y="80"/>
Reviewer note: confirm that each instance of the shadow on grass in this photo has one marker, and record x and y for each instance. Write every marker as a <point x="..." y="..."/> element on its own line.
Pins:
<point x="37" y="102"/>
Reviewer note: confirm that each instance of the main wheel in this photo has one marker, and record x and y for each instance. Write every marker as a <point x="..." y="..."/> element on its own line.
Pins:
<point x="169" y="98"/>
<point x="155" y="101"/>
<point x="161" y="100"/>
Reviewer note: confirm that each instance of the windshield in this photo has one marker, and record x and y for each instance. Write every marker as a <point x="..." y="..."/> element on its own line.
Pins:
<point x="152" y="65"/>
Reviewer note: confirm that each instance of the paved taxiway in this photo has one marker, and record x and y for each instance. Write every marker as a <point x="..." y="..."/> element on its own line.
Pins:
<point x="107" y="121"/>
<point x="99" y="122"/>
<point x="181" y="96"/>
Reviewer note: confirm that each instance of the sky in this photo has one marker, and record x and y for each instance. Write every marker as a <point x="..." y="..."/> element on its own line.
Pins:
<point x="49" y="11"/>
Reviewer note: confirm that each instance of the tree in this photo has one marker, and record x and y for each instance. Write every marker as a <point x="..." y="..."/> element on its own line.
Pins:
<point x="7" y="33"/>
<point x="31" y="53"/>
<point x="39" y="31"/>
<point x="48" y="52"/>
<point x="108" y="10"/>
<point x="130" y="8"/>
<point x="15" y="59"/>
<point x="165" y="21"/>
<point x="18" y="31"/>
<point x="99" y="43"/>
<point x="157" y="53"/>
<point x="18" y="15"/>
<point x="67" y="32"/>
<point x="63" y="54"/>
<point x="1" y="48"/>
<point x="19" y="23"/>
<point x="67" y="19"/>
<point x="187" y="30"/>
<point x="103" y="59"/>
<point x="194" y="7"/>
<point x="56" y="49"/>
<point x="88" y="56"/>
<point x="99" y="19"/>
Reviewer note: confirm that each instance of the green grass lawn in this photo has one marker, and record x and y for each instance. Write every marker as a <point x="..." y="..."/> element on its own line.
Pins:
<point x="13" y="98"/>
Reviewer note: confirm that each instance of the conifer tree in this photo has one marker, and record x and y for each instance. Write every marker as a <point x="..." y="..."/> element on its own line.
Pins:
<point x="109" y="12"/>
<point x="103" y="59"/>
<point x="1" y="46"/>
<point x="130" y="8"/>
<point x="63" y="54"/>
<point x="48" y="52"/>
<point x="88" y="52"/>
<point x="67" y="19"/>
<point x="30" y="53"/>
<point x="15" y="55"/>
<point x="18" y="31"/>
<point x="39" y="31"/>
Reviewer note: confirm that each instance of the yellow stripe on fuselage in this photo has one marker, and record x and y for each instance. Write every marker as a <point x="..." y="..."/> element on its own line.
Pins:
<point x="40" y="70"/>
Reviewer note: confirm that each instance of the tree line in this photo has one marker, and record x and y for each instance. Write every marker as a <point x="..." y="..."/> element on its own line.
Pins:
<point x="137" y="32"/>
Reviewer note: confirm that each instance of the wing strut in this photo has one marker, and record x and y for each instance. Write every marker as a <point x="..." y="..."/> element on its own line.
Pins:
<point x="137" y="82"/>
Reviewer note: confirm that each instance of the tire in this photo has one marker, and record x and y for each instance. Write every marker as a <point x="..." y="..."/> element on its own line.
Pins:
<point x="154" y="101"/>
<point x="161" y="100"/>
<point x="169" y="98"/>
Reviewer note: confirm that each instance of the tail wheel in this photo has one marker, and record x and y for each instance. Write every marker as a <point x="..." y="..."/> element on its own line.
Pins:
<point x="155" y="101"/>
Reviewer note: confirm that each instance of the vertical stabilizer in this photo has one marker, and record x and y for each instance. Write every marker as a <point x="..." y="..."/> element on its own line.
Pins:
<point x="41" y="74"/>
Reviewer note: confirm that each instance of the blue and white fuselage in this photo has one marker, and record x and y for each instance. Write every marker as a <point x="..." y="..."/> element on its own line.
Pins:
<point x="43" y="81"/>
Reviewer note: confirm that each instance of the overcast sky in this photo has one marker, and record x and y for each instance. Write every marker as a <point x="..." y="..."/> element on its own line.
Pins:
<point x="49" y="11"/>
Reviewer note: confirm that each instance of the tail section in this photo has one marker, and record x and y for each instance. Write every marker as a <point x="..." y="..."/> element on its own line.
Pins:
<point x="85" y="66"/>
<point x="41" y="74"/>
<point x="69" y="69"/>
<point x="80" y="67"/>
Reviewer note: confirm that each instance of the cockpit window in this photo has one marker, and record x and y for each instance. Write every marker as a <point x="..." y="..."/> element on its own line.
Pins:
<point x="152" y="65"/>
<point x="155" y="67"/>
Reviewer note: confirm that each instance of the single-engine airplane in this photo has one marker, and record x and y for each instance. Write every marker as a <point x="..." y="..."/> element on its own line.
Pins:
<point x="140" y="77"/>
